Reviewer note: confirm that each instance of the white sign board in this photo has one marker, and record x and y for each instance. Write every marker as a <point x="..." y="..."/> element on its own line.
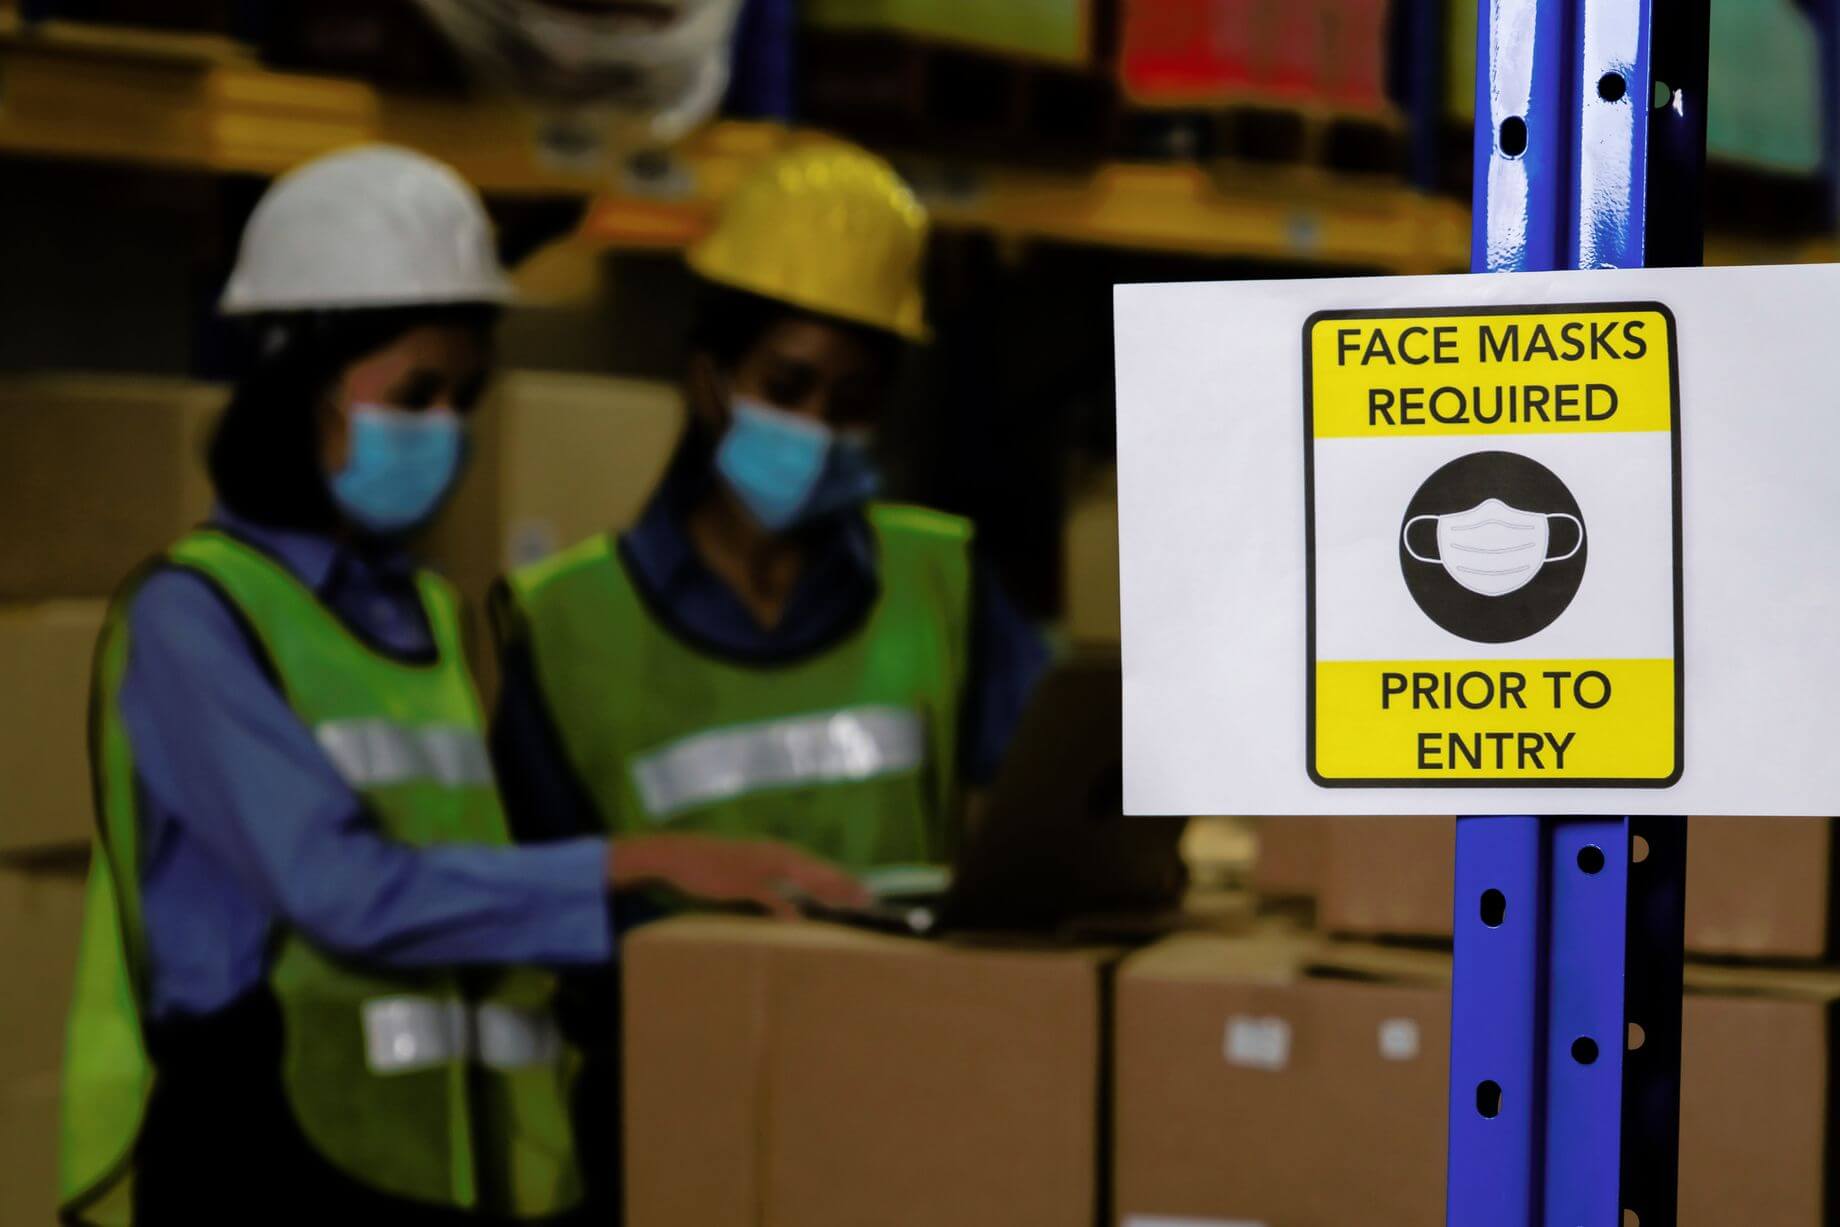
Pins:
<point x="1546" y="543"/>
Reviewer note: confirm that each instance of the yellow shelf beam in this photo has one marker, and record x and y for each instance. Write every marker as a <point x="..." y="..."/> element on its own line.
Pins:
<point x="204" y="103"/>
<point x="1299" y="217"/>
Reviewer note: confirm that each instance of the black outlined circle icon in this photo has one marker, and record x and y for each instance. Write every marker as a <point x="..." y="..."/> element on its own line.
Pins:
<point x="1493" y="547"/>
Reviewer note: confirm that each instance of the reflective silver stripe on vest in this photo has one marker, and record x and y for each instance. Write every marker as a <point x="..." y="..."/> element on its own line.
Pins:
<point x="373" y="753"/>
<point x="405" y="1034"/>
<point x="507" y="1038"/>
<point x="858" y="743"/>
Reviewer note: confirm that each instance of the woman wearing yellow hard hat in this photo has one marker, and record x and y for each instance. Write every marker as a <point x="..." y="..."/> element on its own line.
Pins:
<point x="771" y="650"/>
<point x="316" y="979"/>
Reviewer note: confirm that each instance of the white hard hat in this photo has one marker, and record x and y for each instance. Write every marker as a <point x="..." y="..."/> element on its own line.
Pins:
<point x="371" y="226"/>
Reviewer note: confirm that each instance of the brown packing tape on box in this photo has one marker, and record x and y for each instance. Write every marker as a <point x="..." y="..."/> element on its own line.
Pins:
<point x="1760" y="888"/>
<point x="41" y="916"/>
<point x="555" y="458"/>
<point x="813" y="1075"/>
<point x="45" y="652"/>
<point x="97" y="474"/>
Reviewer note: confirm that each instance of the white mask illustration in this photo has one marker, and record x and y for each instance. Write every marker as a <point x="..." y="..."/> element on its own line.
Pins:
<point x="1493" y="549"/>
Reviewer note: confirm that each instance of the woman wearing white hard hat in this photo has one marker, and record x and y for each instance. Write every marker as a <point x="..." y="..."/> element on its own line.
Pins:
<point x="315" y="980"/>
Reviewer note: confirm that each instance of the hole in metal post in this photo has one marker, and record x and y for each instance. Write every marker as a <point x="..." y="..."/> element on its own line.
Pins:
<point x="1494" y="908"/>
<point x="1591" y="858"/>
<point x="1584" y="1050"/>
<point x="1638" y="850"/>
<point x="1488" y="1099"/>
<point x="1637" y="1036"/>
<point x="1514" y="136"/>
<point x="1611" y="87"/>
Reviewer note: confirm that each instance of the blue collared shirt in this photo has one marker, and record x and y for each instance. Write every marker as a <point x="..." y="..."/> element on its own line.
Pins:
<point x="246" y="826"/>
<point x="833" y="595"/>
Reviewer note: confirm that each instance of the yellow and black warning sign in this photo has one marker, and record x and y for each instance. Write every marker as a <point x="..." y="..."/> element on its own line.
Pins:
<point x="1493" y="546"/>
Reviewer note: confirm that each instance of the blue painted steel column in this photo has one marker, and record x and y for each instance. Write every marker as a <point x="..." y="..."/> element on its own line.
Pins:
<point x="1523" y="144"/>
<point x="1569" y="930"/>
<point x="1498" y="1002"/>
<point x="1587" y="889"/>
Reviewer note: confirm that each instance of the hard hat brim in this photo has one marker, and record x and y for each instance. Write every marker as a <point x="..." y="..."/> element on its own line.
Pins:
<point x="238" y="302"/>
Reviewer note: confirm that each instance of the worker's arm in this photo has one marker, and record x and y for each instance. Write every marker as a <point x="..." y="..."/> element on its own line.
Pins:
<point x="217" y="747"/>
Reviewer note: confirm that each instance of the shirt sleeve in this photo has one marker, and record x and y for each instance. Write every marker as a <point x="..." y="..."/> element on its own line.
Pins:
<point x="1008" y="657"/>
<point x="219" y="748"/>
<point x="544" y="797"/>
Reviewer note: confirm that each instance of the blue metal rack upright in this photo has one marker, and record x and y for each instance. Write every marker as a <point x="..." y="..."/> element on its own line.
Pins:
<point x="1565" y="1024"/>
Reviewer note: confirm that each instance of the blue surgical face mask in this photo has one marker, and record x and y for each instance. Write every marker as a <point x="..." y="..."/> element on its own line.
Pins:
<point x="399" y="465"/>
<point x="788" y="470"/>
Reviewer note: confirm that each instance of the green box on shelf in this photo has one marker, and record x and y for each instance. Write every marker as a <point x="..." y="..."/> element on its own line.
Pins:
<point x="1059" y="31"/>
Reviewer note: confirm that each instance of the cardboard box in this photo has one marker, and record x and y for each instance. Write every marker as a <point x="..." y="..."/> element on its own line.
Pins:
<point x="1389" y="876"/>
<point x="41" y="916"/>
<point x="556" y="458"/>
<point x="1313" y="1115"/>
<point x="97" y="474"/>
<point x="45" y="652"/>
<point x="1293" y="857"/>
<point x="1757" y="1097"/>
<point x="1247" y="1091"/>
<point x="1090" y="545"/>
<point x="1760" y="888"/>
<point x="797" y="1074"/>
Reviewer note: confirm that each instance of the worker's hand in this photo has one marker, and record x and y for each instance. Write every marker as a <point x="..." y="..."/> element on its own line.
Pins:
<point x="716" y="870"/>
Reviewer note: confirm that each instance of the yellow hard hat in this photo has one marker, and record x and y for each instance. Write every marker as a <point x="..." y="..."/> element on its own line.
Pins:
<point x="829" y="227"/>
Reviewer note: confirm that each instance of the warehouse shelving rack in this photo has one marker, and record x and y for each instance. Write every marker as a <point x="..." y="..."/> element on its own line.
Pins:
<point x="204" y="103"/>
<point x="1565" y="1030"/>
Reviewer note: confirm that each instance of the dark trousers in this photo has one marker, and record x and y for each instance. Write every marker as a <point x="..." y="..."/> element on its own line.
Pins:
<point x="220" y="1144"/>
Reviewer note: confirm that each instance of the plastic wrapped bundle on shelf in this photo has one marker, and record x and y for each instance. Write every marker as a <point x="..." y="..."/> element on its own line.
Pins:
<point x="603" y="76"/>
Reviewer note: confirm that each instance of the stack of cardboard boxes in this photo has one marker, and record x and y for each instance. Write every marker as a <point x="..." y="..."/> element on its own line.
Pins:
<point x="97" y="475"/>
<point x="1756" y="1103"/>
<point x="813" y="1075"/>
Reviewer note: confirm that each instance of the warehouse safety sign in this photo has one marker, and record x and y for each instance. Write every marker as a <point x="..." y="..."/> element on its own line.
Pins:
<point x="1540" y="543"/>
<point x="1496" y="420"/>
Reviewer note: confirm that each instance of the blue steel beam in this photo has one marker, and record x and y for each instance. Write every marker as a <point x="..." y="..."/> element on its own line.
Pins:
<point x="1567" y="931"/>
<point x="1522" y="147"/>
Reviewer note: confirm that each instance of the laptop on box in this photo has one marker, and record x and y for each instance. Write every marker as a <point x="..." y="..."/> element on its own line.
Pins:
<point x="1054" y="845"/>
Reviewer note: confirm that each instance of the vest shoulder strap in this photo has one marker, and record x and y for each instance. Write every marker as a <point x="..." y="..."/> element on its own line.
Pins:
<point x="532" y="582"/>
<point x="920" y="523"/>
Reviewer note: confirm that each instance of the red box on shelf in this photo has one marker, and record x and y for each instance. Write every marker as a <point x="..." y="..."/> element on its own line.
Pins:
<point x="1308" y="53"/>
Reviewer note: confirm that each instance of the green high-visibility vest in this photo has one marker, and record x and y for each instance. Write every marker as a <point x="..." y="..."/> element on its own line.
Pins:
<point x="412" y="1083"/>
<point x="851" y="754"/>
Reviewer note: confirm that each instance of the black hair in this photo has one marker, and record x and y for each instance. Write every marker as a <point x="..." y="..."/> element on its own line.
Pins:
<point x="264" y="456"/>
<point x="725" y="324"/>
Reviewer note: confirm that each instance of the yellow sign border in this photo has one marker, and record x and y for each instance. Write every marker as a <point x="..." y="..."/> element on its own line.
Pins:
<point x="1309" y="529"/>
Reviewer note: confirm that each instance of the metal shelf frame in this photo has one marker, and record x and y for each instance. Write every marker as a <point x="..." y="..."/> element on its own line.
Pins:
<point x="1565" y="1042"/>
